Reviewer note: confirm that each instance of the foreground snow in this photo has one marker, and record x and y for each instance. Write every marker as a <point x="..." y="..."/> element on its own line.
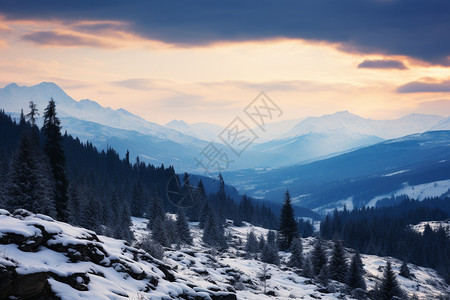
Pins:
<point x="233" y="269"/>
<point x="43" y="257"/>
<point x="40" y="256"/>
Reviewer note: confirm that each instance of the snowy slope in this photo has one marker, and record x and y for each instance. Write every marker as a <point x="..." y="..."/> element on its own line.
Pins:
<point x="226" y="267"/>
<point x="417" y="192"/>
<point x="40" y="256"/>
<point x="435" y="225"/>
<point x="43" y="257"/>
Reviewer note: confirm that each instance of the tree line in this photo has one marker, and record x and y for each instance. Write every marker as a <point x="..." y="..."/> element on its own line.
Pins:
<point x="386" y="231"/>
<point x="45" y="171"/>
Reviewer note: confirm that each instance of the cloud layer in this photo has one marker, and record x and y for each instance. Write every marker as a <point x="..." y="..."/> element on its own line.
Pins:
<point x="425" y="87"/>
<point x="382" y="64"/>
<point x="415" y="28"/>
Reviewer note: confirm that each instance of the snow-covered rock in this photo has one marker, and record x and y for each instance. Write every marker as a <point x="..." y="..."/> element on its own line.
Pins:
<point x="47" y="259"/>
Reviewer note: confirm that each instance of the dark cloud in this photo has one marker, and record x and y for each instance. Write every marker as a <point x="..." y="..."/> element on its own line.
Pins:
<point x="425" y="87"/>
<point x="53" y="38"/>
<point x="416" y="28"/>
<point x="382" y="64"/>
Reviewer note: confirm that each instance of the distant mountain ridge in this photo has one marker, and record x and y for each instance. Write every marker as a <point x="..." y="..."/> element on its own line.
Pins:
<point x="357" y="177"/>
<point x="178" y="143"/>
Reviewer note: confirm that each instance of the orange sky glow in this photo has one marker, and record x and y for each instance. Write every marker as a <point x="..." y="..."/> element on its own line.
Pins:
<point x="214" y="82"/>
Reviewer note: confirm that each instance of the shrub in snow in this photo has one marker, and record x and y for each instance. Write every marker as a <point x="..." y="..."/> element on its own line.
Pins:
<point x="152" y="248"/>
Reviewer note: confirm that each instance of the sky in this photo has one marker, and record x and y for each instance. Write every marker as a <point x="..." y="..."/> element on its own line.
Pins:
<point x="205" y="61"/>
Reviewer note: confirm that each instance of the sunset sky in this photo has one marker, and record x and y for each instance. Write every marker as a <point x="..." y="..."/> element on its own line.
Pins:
<point x="206" y="60"/>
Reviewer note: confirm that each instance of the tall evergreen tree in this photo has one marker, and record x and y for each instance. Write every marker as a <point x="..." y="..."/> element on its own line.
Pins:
<point x="308" y="268"/>
<point x="252" y="243"/>
<point x="269" y="253"/>
<point x="156" y="210"/>
<point x="29" y="182"/>
<point x="288" y="226"/>
<point x="33" y="113"/>
<point x="389" y="287"/>
<point x="159" y="233"/>
<point x="355" y="279"/>
<point x="213" y="234"/>
<point x="296" y="259"/>
<point x="261" y="242"/>
<point x="55" y="153"/>
<point x="182" y="228"/>
<point x="137" y="200"/>
<point x="204" y="215"/>
<point x="318" y="257"/>
<point x="338" y="263"/>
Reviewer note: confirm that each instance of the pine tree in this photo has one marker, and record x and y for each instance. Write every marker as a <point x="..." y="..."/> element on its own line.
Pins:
<point x="137" y="200"/>
<point x="182" y="228"/>
<point x="261" y="242"/>
<point x="213" y="234"/>
<point x="171" y="231"/>
<point x="30" y="184"/>
<point x="338" y="263"/>
<point x="324" y="275"/>
<point x="74" y="205"/>
<point x="156" y="210"/>
<point x="55" y="153"/>
<point x="33" y="113"/>
<point x="355" y="279"/>
<point x="296" y="259"/>
<point x="389" y="287"/>
<point x="159" y="233"/>
<point x="404" y="270"/>
<point x="204" y="215"/>
<point x="288" y="226"/>
<point x="269" y="253"/>
<point x="308" y="268"/>
<point x="252" y="244"/>
<point x="318" y="257"/>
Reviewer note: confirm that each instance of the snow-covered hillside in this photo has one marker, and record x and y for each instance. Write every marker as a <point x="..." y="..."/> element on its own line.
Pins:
<point x="41" y="257"/>
<point x="434" y="225"/>
<point x="417" y="192"/>
<point x="235" y="268"/>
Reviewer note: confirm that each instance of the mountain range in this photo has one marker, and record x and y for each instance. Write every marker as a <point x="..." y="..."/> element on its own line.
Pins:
<point x="178" y="143"/>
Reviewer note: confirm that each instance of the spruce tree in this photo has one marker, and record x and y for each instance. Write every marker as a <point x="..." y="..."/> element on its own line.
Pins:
<point x="324" y="275"/>
<point x="137" y="200"/>
<point x="389" y="287"/>
<point x="33" y="113"/>
<point x="159" y="233"/>
<point x="318" y="257"/>
<point x="296" y="259"/>
<point x="213" y="234"/>
<point x="204" y="215"/>
<point x="261" y="242"/>
<point x="355" y="279"/>
<point x="338" y="263"/>
<point x="288" y="226"/>
<point x="55" y="153"/>
<point x="308" y="268"/>
<point x="404" y="270"/>
<point x="156" y="210"/>
<point x="269" y="253"/>
<point x="182" y="228"/>
<point x="252" y="244"/>
<point x="29" y="182"/>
